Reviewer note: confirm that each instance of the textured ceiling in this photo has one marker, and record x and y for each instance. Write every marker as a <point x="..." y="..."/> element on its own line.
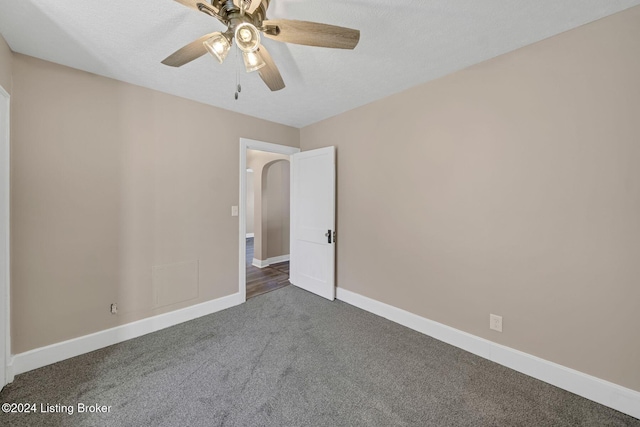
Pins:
<point x="403" y="43"/>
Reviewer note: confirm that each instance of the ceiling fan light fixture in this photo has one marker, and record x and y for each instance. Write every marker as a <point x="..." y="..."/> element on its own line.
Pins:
<point x="253" y="61"/>
<point x="247" y="37"/>
<point x="218" y="46"/>
<point x="246" y="21"/>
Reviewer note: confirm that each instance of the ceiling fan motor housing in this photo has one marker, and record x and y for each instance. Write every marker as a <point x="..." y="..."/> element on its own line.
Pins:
<point x="230" y="13"/>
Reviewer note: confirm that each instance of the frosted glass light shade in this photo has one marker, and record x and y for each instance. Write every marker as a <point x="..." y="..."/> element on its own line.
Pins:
<point x="252" y="61"/>
<point x="247" y="37"/>
<point x="218" y="46"/>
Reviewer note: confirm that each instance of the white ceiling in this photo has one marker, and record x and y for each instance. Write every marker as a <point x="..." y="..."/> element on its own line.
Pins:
<point x="403" y="43"/>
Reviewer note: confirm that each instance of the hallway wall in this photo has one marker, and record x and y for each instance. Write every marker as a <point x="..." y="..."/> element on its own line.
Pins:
<point x="264" y="219"/>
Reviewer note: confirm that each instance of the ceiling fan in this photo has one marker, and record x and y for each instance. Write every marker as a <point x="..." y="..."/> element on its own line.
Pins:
<point x="245" y="20"/>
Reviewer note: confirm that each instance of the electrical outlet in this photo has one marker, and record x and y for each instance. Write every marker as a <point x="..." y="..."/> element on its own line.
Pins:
<point x="114" y="308"/>
<point x="495" y="322"/>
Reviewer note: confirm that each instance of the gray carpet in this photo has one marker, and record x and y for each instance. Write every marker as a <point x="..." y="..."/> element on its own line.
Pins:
<point x="289" y="358"/>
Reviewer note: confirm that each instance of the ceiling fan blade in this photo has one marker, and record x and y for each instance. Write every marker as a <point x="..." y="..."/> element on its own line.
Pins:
<point x="188" y="53"/>
<point x="270" y="73"/>
<point x="254" y="5"/>
<point x="311" y="33"/>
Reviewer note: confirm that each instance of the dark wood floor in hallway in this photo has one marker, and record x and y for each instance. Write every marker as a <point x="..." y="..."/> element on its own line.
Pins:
<point x="267" y="279"/>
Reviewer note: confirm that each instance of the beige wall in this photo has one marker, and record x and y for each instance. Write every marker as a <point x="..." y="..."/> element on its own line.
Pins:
<point x="276" y="187"/>
<point x="108" y="181"/>
<point x="250" y="202"/>
<point x="526" y="171"/>
<point x="261" y="162"/>
<point x="6" y="60"/>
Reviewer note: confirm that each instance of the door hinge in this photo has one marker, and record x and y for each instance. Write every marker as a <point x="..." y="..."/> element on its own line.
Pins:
<point x="328" y="235"/>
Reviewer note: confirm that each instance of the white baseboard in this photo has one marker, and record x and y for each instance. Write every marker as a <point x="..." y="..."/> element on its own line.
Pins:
<point x="260" y="263"/>
<point x="604" y="392"/>
<point x="250" y="235"/>
<point x="266" y="263"/>
<point x="44" y="356"/>
<point x="278" y="259"/>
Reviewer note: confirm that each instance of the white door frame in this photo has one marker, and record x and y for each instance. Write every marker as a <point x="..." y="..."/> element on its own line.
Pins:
<point x="250" y="144"/>
<point x="5" y="176"/>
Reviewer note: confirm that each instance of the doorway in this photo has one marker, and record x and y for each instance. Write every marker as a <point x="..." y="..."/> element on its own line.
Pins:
<point x="264" y="248"/>
<point x="5" y="352"/>
<point x="267" y="263"/>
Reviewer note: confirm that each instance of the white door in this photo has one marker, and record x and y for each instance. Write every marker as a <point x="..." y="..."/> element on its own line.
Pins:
<point x="313" y="205"/>
<point x="4" y="233"/>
